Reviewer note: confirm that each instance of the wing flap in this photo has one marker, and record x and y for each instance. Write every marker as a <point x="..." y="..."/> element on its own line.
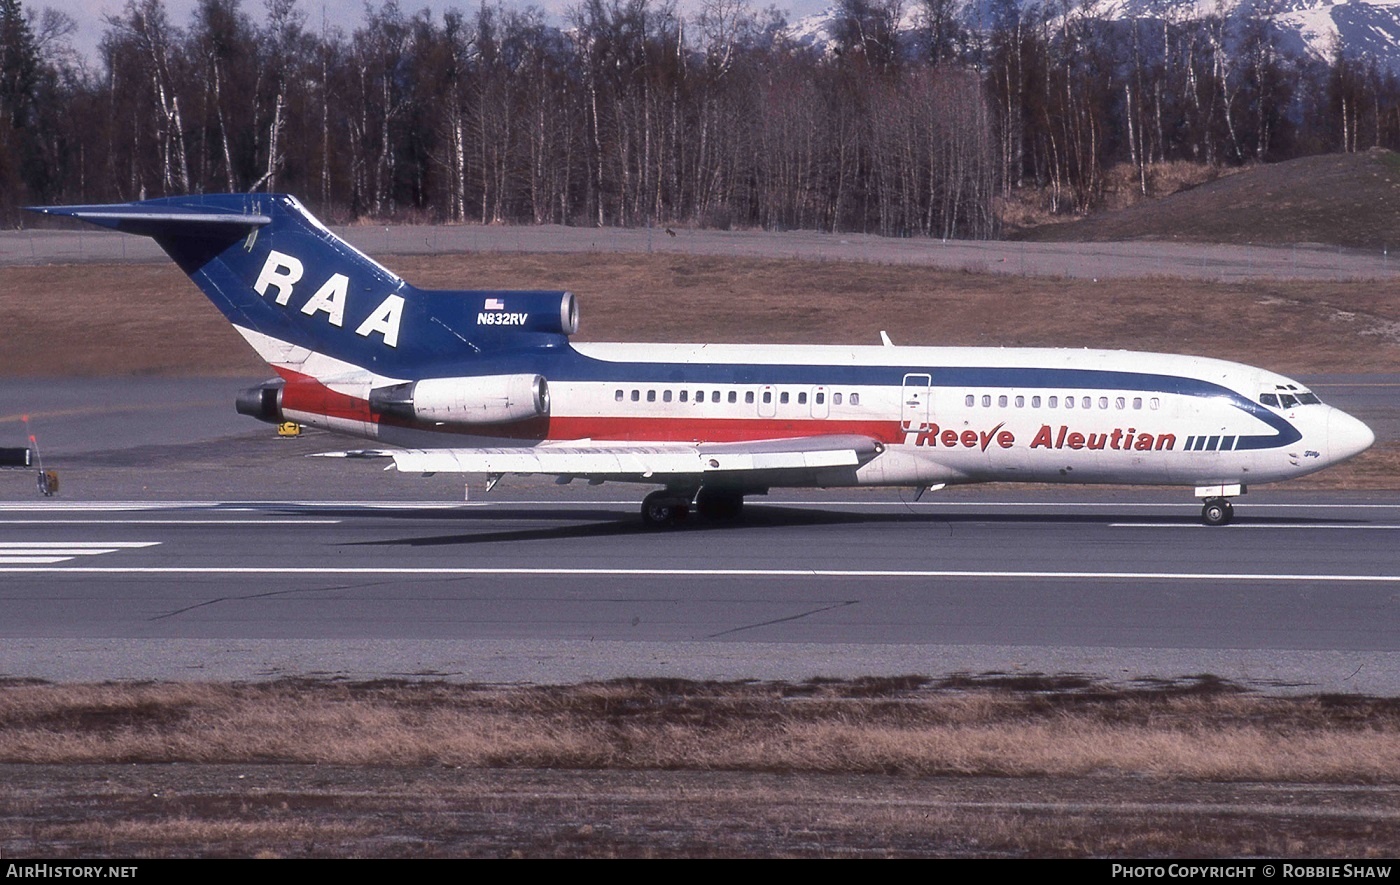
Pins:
<point x="661" y="460"/>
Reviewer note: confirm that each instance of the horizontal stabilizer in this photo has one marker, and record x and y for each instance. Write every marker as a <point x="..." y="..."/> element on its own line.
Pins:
<point x="161" y="218"/>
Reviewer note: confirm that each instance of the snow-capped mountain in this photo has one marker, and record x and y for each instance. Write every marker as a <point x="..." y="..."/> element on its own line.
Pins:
<point x="1313" y="28"/>
<point x="1362" y="28"/>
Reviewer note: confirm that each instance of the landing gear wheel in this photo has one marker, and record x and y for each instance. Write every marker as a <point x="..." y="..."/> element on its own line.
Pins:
<point x="719" y="506"/>
<point x="1217" y="511"/>
<point x="662" y="509"/>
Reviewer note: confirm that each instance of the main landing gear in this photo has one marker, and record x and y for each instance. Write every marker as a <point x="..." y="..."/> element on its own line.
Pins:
<point x="1217" y="511"/>
<point x="663" y="509"/>
<point x="666" y="508"/>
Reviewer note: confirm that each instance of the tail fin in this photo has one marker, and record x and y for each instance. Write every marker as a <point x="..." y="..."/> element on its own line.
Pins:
<point x="311" y="303"/>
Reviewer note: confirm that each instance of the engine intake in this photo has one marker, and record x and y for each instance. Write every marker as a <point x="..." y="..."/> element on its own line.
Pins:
<point x="524" y="311"/>
<point x="487" y="399"/>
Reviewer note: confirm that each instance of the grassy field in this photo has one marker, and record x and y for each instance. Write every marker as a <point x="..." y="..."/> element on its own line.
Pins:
<point x="987" y="766"/>
<point x="149" y="319"/>
<point x="1348" y="200"/>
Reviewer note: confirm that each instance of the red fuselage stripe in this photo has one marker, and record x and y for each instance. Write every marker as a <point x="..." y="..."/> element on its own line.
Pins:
<point x="305" y="394"/>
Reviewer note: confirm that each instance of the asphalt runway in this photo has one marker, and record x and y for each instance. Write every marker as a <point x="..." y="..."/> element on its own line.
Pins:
<point x="188" y="542"/>
<point x="1299" y="594"/>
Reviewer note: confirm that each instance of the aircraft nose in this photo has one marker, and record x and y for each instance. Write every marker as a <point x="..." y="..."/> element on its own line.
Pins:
<point x="1346" y="436"/>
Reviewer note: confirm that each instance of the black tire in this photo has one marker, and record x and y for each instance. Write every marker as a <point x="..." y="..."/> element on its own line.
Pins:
<point x="662" y="510"/>
<point x="719" y="506"/>
<point x="1217" y="511"/>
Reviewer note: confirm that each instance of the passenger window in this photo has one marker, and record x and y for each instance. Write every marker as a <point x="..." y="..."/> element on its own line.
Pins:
<point x="636" y="396"/>
<point x="665" y="396"/>
<point x="1137" y="402"/>
<point x="1001" y="401"/>
<point x="1069" y="402"/>
<point x="618" y="396"/>
<point x="1087" y="402"/>
<point x="969" y="401"/>
<point x="1035" y="402"/>
<point x="821" y="398"/>
<point x="651" y="396"/>
<point x="802" y="399"/>
<point x="767" y="397"/>
<point x="783" y="397"/>
<point x="836" y="399"/>
<point x="685" y="396"/>
<point x="855" y="399"/>
<point x="1054" y="401"/>
<point x="748" y="397"/>
<point x="1020" y="402"/>
<point x="1103" y="402"/>
<point x="1119" y="403"/>
<point x="733" y="396"/>
<point x="986" y="400"/>
<point x="1154" y="402"/>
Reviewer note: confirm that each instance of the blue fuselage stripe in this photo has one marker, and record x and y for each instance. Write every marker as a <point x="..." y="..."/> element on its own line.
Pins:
<point x="563" y="363"/>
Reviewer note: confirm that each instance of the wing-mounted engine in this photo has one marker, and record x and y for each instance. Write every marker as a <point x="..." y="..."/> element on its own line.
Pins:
<point x="486" y="399"/>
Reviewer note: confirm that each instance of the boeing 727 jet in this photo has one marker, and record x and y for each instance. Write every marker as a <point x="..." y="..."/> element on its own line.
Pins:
<point x="489" y="382"/>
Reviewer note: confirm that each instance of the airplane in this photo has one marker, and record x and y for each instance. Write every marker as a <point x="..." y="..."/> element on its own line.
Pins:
<point x="489" y="382"/>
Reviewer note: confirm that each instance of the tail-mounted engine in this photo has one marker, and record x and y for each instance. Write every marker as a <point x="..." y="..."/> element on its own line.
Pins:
<point x="528" y="311"/>
<point x="263" y="402"/>
<point x="488" y="399"/>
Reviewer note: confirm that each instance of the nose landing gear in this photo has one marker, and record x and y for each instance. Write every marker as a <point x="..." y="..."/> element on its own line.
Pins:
<point x="1216" y="508"/>
<point x="1217" y="511"/>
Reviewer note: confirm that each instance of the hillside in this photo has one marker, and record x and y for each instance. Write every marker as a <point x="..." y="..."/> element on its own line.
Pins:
<point x="1350" y="200"/>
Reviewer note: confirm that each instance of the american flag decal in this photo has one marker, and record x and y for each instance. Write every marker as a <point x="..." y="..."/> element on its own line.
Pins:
<point x="495" y="304"/>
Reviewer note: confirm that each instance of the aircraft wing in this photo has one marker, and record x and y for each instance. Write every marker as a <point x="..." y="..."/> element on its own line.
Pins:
<point x="649" y="461"/>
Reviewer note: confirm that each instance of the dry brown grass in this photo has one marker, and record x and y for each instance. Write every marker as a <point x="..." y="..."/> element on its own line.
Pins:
<point x="1338" y="199"/>
<point x="1029" y="207"/>
<point x="970" y="766"/>
<point x="877" y="726"/>
<point x="148" y="319"/>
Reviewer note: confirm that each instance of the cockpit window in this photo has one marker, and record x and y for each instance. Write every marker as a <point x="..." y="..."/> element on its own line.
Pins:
<point x="1289" y="400"/>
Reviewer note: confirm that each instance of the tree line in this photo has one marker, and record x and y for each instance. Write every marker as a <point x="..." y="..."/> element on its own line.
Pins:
<point x="633" y="114"/>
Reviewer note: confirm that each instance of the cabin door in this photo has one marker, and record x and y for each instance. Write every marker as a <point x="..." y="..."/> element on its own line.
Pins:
<point x="915" y="396"/>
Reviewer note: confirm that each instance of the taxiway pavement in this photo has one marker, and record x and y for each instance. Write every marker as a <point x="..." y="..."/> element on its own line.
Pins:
<point x="187" y="542"/>
<point x="1299" y="594"/>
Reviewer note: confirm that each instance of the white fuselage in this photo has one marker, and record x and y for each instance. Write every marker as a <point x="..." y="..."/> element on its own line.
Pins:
<point x="943" y="415"/>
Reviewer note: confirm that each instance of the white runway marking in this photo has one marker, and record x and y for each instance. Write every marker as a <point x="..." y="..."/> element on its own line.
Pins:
<point x="50" y="552"/>
<point x="52" y="506"/>
<point x="931" y="503"/>
<point x="1246" y="525"/>
<point x="715" y="573"/>
<point x="170" y="521"/>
